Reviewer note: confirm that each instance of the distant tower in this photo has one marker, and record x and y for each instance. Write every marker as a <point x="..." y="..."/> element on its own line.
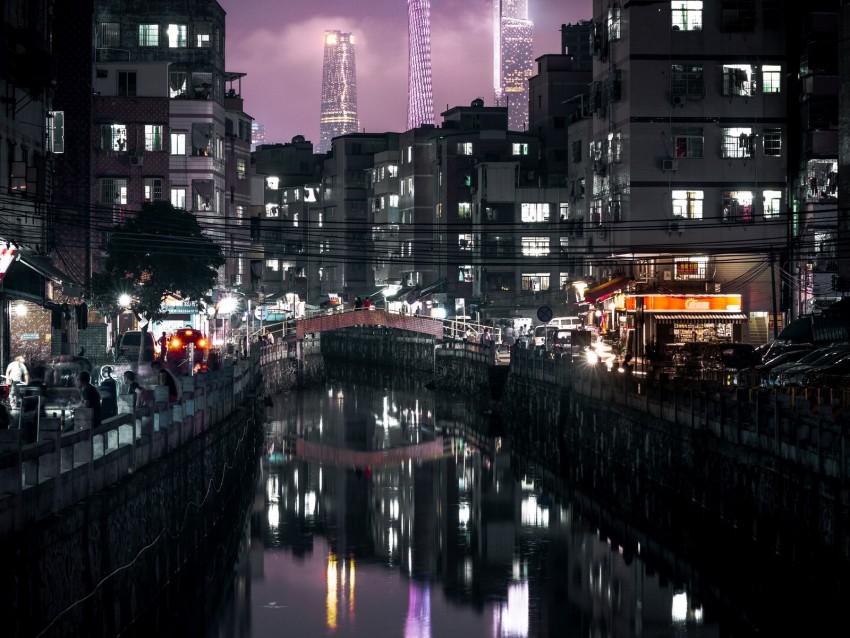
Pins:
<point x="339" y="89"/>
<point x="513" y="59"/>
<point x="420" y="98"/>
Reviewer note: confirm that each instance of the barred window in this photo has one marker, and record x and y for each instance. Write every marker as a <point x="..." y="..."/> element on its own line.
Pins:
<point x="113" y="191"/>
<point x="687" y="79"/>
<point x="739" y="79"/>
<point x="535" y="246"/>
<point x="738" y="206"/>
<point x="687" y="15"/>
<point x="773" y="142"/>
<point x="113" y="137"/>
<point x="153" y="189"/>
<point x="688" y="142"/>
<point x="738" y="142"/>
<point x="109" y="35"/>
<point x="148" y="35"/>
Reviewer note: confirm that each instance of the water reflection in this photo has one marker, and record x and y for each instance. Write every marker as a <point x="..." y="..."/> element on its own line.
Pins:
<point x="444" y="542"/>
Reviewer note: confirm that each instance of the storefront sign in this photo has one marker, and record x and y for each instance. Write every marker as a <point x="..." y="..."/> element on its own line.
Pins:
<point x="29" y="336"/>
<point x="685" y="303"/>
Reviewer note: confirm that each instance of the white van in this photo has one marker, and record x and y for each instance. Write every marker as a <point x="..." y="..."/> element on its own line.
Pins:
<point x="570" y="323"/>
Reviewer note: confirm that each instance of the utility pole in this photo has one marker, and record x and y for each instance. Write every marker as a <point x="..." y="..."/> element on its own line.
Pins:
<point x="773" y="295"/>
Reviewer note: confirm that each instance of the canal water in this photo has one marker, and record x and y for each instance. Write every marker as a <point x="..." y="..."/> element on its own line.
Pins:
<point x="385" y="510"/>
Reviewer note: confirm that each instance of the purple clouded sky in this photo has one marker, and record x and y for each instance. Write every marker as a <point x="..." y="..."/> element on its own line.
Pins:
<point x="279" y="44"/>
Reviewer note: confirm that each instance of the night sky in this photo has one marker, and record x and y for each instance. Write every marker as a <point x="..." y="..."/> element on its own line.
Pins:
<point x="279" y="44"/>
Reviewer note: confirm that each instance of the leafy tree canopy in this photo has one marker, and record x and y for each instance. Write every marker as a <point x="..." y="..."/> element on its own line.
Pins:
<point x="161" y="252"/>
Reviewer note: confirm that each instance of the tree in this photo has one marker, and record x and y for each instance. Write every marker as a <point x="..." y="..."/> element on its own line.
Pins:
<point x="161" y="252"/>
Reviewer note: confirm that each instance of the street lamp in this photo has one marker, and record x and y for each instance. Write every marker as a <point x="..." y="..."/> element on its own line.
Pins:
<point x="124" y="300"/>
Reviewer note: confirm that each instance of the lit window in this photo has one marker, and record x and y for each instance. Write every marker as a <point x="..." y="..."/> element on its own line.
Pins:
<point x="464" y="210"/>
<point x="614" y="23"/>
<point x="148" y="35"/>
<point x="564" y="211"/>
<point x="534" y="212"/>
<point x="464" y="148"/>
<point x="687" y="80"/>
<point x="535" y="246"/>
<point x="273" y="264"/>
<point x="688" y="204"/>
<point x="771" y="78"/>
<point x="153" y="189"/>
<point x="738" y="206"/>
<point x="113" y="137"/>
<point x="177" y="84"/>
<point x="520" y="149"/>
<point x="687" y="15"/>
<point x="178" y="198"/>
<point x="773" y="142"/>
<point x="113" y="191"/>
<point x="392" y="170"/>
<point x="739" y="79"/>
<point x="464" y="273"/>
<point x="535" y="282"/>
<point x="464" y="241"/>
<point x="272" y="210"/>
<point x="615" y="148"/>
<point x="690" y="267"/>
<point x="408" y="152"/>
<point x="272" y="183"/>
<point x="153" y="137"/>
<point x="393" y="201"/>
<point x="241" y="169"/>
<point x="738" y="142"/>
<point x="178" y="143"/>
<point x="176" y="36"/>
<point x="772" y="204"/>
<point x="688" y="142"/>
<point x="202" y="35"/>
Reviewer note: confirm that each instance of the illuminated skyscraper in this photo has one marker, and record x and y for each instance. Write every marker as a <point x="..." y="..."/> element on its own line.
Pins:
<point x="513" y="59"/>
<point x="339" y="89"/>
<point x="420" y="98"/>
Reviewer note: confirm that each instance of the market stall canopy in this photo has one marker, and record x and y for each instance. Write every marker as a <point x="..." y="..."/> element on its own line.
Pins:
<point x="603" y="291"/>
<point x="727" y="317"/>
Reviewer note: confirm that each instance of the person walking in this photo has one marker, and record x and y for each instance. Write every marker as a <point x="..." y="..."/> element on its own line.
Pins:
<point x="367" y="304"/>
<point x="358" y="303"/>
<point x="163" y="346"/>
<point x="89" y="396"/>
<point x="17" y="375"/>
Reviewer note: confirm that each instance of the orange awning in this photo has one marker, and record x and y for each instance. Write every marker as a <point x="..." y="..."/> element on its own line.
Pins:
<point x="603" y="291"/>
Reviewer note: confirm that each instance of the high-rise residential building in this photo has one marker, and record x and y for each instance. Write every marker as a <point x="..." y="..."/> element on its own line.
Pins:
<point x="258" y="135"/>
<point x="339" y="89"/>
<point x="420" y="98"/>
<point x="513" y="59"/>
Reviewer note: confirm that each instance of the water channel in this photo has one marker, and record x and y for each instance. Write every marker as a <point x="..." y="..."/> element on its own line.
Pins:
<point x="385" y="510"/>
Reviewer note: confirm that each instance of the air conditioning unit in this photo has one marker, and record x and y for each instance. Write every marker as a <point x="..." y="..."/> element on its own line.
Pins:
<point x="675" y="226"/>
<point x="135" y="160"/>
<point x="472" y="161"/>
<point x="667" y="275"/>
<point x="679" y="100"/>
<point x="670" y="165"/>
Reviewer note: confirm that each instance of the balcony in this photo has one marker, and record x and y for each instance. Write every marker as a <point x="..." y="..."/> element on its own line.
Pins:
<point x="819" y="86"/>
<point x="822" y="144"/>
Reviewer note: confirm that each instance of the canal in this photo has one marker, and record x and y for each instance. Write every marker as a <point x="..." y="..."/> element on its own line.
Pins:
<point x="384" y="510"/>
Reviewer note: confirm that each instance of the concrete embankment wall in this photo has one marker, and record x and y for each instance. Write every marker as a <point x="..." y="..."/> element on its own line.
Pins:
<point x="111" y="564"/>
<point x="647" y="468"/>
<point x="380" y="346"/>
<point x="288" y="365"/>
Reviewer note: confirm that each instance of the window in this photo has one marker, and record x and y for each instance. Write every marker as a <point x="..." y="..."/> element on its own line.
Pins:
<point x="535" y="246"/>
<point x="113" y="137"/>
<point x="563" y="211"/>
<point x="688" y="204"/>
<point x="203" y="196"/>
<point x="520" y="149"/>
<point x="148" y="35"/>
<point x="615" y="148"/>
<point x="408" y="154"/>
<point x="55" y="126"/>
<point x="535" y="281"/>
<point x="272" y="210"/>
<point x="241" y="168"/>
<point x="614" y="24"/>
<point x="202" y="35"/>
<point x="738" y="16"/>
<point x="109" y="35"/>
<point x="576" y="147"/>
<point x="737" y="206"/>
<point x="126" y="83"/>
<point x="687" y="15"/>
<point x="535" y="212"/>
<point x="739" y="79"/>
<point x="464" y="241"/>
<point x="771" y="78"/>
<point x="738" y="142"/>
<point x="687" y="80"/>
<point x="113" y="191"/>
<point x="176" y="36"/>
<point x="273" y="265"/>
<point x="177" y="84"/>
<point x="690" y="267"/>
<point x="178" y="143"/>
<point x="773" y="142"/>
<point x="464" y="273"/>
<point x="392" y="170"/>
<point x="178" y="198"/>
<point x="153" y="189"/>
<point x="464" y="148"/>
<point x="772" y="204"/>
<point x="464" y="210"/>
<point x="393" y="201"/>
<point x="273" y="183"/>
<point x="615" y="209"/>
<point x="153" y="137"/>
<point x="202" y="140"/>
<point x="688" y="142"/>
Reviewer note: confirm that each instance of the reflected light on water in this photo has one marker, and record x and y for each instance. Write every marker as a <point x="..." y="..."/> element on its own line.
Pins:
<point x="533" y="514"/>
<point x="511" y="618"/>
<point x="463" y="514"/>
<point x="681" y="611"/>
<point x="331" y="597"/>
<point x="418" y="621"/>
<point x="274" y="517"/>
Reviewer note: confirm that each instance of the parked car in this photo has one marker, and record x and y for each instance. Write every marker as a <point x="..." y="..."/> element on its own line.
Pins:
<point x="791" y="375"/>
<point x="737" y="356"/>
<point x="128" y="346"/>
<point x="830" y="376"/>
<point x="791" y="356"/>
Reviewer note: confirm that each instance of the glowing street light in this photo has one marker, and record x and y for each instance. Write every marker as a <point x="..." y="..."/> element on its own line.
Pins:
<point x="124" y="300"/>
